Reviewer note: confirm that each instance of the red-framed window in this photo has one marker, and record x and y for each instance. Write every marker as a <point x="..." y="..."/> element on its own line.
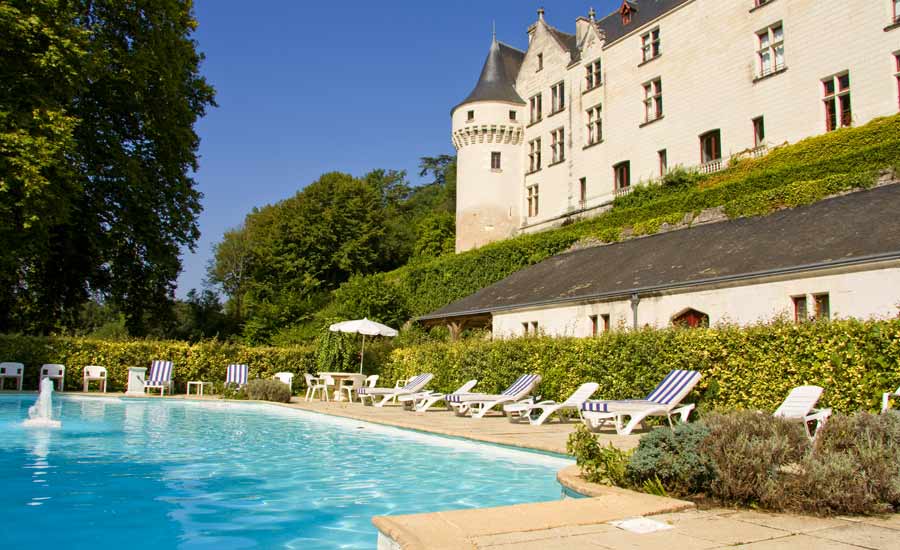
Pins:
<point x="653" y="101"/>
<point x="801" y="314"/>
<point x="622" y="174"/>
<point x="710" y="146"/>
<point x="822" y="303"/>
<point x="838" y="112"/>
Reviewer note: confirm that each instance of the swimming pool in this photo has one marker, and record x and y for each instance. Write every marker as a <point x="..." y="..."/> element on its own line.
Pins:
<point x="165" y="474"/>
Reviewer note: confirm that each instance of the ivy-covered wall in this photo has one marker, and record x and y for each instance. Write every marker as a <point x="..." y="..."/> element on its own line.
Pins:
<point x="205" y="361"/>
<point x="743" y="368"/>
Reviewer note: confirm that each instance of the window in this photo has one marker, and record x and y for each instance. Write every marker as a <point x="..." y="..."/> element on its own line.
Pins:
<point x="622" y="173"/>
<point x="558" y="97"/>
<point x="653" y="104"/>
<point x="823" y="306"/>
<point x="533" y="206"/>
<point x="896" y="11"/>
<point x="512" y="116"/>
<point x="534" y="155"/>
<point x="471" y="116"/>
<point x="691" y="318"/>
<point x="759" y="132"/>
<point x="599" y="323"/>
<point x="662" y="155"/>
<point x="495" y="160"/>
<point x="540" y="62"/>
<point x="582" y="191"/>
<point x="604" y="317"/>
<point x="837" y="101"/>
<point x="534" y="327"/>
<point x="536" y="108"/>
<point x="594" y="325"/>
<point x="593" y="77"/>
<point x="710" y="146"/>
<point x="525" y="328"/>
<point x="771" y="50"/>
<point x="650" y="44"/>
<point x="897" y="74"/>
<point x="558" y="145"/>
<point x="530" y="328"/>
<point x="594" y="126"/>
<point x="800" y="314"/>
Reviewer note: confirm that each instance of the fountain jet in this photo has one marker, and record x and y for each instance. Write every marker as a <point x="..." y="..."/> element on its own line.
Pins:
<point x="39" y="414"/>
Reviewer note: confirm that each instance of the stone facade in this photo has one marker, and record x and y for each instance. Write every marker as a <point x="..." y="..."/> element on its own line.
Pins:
<point x="708" y="71"/>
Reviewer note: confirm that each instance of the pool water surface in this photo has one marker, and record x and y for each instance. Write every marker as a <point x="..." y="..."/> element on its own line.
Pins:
<point x="136" y="474"/>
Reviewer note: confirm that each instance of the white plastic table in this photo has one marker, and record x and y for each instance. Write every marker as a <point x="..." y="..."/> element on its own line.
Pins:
<point x="338" y="378"/>
<point x="198" y="385"/>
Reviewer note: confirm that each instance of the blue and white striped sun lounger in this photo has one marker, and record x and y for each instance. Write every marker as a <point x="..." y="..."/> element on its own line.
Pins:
<point x="662" y="401"/>
<point x="480" y="403"/>
<point x="237" y="374"/>
<point x="414" y="385"/>
<point x="160" y="376"/>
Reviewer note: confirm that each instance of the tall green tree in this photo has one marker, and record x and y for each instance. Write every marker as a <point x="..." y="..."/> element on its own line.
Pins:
<point x="97" y="104"/>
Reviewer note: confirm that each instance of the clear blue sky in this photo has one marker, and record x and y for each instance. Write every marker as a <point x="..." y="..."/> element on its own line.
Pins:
<point x="306" y="88"/>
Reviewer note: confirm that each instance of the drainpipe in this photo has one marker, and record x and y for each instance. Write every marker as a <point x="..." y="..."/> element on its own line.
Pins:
<point x="635" y="300"/>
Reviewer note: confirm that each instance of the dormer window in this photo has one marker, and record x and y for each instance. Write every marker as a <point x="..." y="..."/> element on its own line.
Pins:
<point x="626" y="17"/>
<point x="626" y="11"/>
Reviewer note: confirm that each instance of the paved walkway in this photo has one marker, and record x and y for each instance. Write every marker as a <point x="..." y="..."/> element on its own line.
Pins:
<point x="712" y="529"/>
<point x="550" y="436"/>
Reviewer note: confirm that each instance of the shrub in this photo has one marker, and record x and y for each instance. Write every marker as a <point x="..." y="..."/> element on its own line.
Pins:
<point x="749" y="452"/>
<point x="268" y="390"/>
<point x="604" y="465"/>
<point x="673" y="459"/>
<point x="853" y="468"/>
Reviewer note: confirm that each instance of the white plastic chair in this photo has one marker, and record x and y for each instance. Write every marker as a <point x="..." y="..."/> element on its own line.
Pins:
<point x="356" y="381"/>
<point x="14" y="371"/>
<point x="314" y="384"/>
<point x="94" y="373"/>
<point x="285" y="378"/>
<point x="886" y="400"/>
<point x="799" y="405"/>
<point x="55" y="372"/>
<point x="526" y="409"/>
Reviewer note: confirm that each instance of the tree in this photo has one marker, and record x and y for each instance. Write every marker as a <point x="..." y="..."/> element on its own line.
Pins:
<point x="97" y="104"/>
<point x="229" y="268"/>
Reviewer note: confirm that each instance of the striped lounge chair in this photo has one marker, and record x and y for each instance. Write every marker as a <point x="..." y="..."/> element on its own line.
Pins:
<point x="413" y="385"/>
<point x="422" y="401"/>
<point x="237" y="374"/>
<point x="478" y="404"/>
<point x="160" y="377"/>
<point x="665" y="400"/>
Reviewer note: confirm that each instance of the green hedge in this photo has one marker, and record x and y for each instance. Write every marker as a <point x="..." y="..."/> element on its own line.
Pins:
<point x="202" y="361"/>
<point x="788" y="176"/>
<point x="754" y="367"/>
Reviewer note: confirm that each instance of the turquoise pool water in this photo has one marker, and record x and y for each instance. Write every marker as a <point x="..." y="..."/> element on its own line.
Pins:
<point x="159" y="474"/>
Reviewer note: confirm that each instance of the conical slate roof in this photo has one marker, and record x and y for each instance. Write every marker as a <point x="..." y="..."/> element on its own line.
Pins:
<point x="498" y="77"/>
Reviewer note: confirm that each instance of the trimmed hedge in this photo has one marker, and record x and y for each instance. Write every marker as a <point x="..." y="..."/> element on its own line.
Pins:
<point x="743" y="368"/>
<point x="788" y="176"/>
<point x="201" y="361"/>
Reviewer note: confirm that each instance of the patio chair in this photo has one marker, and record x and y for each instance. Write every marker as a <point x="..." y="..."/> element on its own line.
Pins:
<point x="14" y="371"/>
<point x="285" y="378"/>
<point x="422" y="401"/>
<point x="94" y="373"/>
<point x="369" y="383"/>
<point x="414" y="385"/>
<point x="662" y="401"/>
<point x="314" y="384"/>
<point x="237" y="374"/>
<point x="355" y="382"/>
<point x="799" y="405"/>
<point x="528" y="408"/>
<point x="55" y="372"/>
<point x="478" y="404"/>
<point x="160" y="377"/>
<point x="886" y="400"/>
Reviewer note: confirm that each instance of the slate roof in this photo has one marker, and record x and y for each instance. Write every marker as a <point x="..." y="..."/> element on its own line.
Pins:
<point x="855" y="228"/>
<point x="645" y="11"/>
<point x="498" y="76"/>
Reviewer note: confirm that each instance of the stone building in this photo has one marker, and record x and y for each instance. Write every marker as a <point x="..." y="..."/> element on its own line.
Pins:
<point x="559" y="130"/>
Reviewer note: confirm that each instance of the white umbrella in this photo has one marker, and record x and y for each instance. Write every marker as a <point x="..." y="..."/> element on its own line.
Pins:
<point x="364" y="327"/>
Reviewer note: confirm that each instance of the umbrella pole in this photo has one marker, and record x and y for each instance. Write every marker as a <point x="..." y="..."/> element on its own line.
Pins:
<point x="362" y="353"/>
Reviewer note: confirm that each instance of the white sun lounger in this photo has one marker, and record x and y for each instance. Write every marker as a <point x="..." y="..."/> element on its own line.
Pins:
<point x="526" y="409"/>
<point x="886" y="400"/>
<point x="414" y="385"/>
<point x="478" y="404"/>
<point x="160" y="377"/>
<point x="799" y="405"/>
<point x="662" y="401"/>
<point x="422" y="401"/>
